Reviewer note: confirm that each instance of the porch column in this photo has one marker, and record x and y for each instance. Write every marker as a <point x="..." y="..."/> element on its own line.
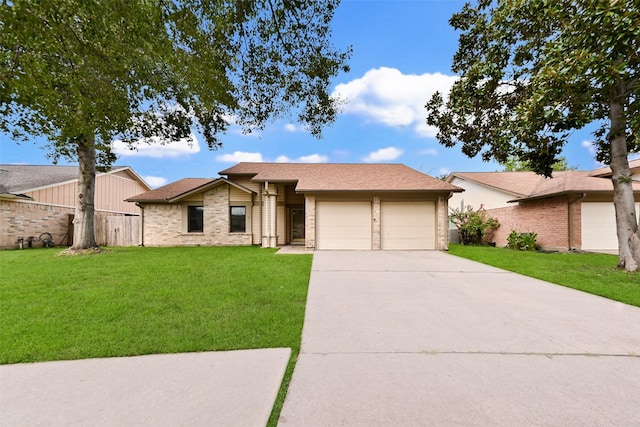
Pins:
<point x="310" y="222"/>
<point x="269" y="237"/>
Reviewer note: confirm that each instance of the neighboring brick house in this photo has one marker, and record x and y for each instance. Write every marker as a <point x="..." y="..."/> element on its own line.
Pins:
<point x="320" y="206"/>
<point x="572" y="210"/>
<point x="41" y="199"/>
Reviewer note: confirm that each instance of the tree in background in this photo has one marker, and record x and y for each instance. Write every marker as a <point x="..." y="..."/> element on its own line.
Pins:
<point x="84" y="72"/>
<point x="513" y="164"/>
<point x="531" y="72"/>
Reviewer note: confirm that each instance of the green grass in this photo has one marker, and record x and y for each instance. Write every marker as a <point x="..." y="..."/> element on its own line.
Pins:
<point x="588" y="272"/>
<point x="134" y="301"/>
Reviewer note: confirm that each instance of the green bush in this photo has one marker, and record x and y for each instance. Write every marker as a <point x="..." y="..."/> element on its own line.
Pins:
<point x="472" y="225"/>
<point x="522" y="241"/>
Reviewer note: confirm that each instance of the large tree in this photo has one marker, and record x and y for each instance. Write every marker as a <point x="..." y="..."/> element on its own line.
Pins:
<point x="84" y="72"/>
<point x="533" y="71"/>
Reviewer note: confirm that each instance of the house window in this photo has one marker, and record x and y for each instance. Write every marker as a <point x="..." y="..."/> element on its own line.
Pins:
<point x="195" y="220"/>
<point x="238" y="219"/>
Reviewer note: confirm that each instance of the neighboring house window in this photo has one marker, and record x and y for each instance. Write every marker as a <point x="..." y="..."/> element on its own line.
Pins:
<point x="196" y="219"/>
<point x="238" y="219"/>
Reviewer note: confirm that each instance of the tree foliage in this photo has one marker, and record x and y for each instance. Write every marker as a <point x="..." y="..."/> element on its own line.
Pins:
<point x="130" y="70"/>
<point x="513" y="164"/>
<point x="533" y="71"/>
<point x="84" y="72"/>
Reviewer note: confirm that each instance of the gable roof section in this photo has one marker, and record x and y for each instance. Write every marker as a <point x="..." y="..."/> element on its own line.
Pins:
<point x="530" y="186"/>
<point x="516" y="183"/>
<point x="178" y="190"/>
<point x="15" y="179"/>
<point x="634" y="165"/>
<point x="312" y="177"/>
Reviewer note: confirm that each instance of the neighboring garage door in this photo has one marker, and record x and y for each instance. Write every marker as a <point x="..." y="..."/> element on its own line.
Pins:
<point x="599" y="226"/>
<point x="343" y="225"/>
<point x="407" y="225"/>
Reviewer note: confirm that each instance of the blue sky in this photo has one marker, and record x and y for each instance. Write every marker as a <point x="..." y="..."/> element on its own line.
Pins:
<point x="402" y="51"/>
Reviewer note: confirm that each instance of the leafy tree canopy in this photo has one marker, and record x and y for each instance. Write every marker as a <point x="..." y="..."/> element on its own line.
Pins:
<point x="76" y="70"/>
<point x="84" y="72"/>
<point x="513" y="164"/>
<point x="534" y="70"/>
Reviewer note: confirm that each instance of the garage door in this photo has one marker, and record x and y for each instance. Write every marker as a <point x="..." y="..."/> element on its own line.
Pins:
<point x="599" y="226"/>
<point x="409" y="225"/>
<point x="343" y="225"/>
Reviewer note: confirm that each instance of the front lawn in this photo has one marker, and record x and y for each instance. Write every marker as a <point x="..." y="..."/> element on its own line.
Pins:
<point x="589" y="272"/>
<point x="133" y="301"/>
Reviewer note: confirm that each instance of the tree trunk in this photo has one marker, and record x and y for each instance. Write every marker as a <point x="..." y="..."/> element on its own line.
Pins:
<point x="83" y="231"/>
<point x="623" y="200"/>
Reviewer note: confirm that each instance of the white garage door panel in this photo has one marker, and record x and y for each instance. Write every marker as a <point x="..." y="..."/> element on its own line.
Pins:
<point x="343" y="225"/>
<point x="408" y="225"/>
<point x="599" y="226"/>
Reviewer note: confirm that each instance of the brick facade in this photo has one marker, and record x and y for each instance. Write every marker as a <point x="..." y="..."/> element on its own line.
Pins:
<point x="165" y="224"/>
<point x="556" y="221"/>
<point x="24" y="219"/>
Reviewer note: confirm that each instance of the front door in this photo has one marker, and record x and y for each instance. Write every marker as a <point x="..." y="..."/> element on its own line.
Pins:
<point x="297" y="225"/>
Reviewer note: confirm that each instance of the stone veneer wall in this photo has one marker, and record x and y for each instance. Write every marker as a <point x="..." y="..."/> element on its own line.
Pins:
<point x="164" y="223"/>
<point x="310" y="222"/>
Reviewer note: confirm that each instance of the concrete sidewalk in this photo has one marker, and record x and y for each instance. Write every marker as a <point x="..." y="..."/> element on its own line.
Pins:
<point x="232" y="388"/>
<point x="426" y="338"/>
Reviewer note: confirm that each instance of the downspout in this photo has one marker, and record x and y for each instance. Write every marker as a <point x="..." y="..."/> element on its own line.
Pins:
<point x="570" y="220"/>
<point x="141" y="223"/>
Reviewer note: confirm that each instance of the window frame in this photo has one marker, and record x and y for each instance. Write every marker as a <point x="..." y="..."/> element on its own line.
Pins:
<point x="190" y="210"/>
<point x="244" y="219"/>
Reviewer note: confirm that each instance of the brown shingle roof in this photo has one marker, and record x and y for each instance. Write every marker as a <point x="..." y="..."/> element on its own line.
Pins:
<point x="24" y="178"/>
<point x="342" y="176"/>
<point x="171" y="191"/>
<point x="180" y="189"/>
<point x="606" y="171"/>
<point x="516" y="183"/>
<point x="528" y="185"/>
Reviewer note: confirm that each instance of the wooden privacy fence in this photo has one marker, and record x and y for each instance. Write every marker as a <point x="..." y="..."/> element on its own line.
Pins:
<point x="117" y="230"/>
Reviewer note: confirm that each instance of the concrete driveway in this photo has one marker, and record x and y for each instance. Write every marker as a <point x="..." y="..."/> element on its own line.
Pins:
<point x="426" y="338"/>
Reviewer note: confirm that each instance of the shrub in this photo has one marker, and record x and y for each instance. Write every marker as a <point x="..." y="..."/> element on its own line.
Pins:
<point x="472" y="225"/>
<point x="522" y="241"/>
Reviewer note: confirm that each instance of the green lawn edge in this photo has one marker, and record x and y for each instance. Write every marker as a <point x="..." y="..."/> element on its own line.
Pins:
<point x="259" y="299"/>
<point x="593" y="273"/>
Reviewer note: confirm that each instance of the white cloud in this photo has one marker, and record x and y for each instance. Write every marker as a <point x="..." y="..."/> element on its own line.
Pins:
<point x="313" y="158"/>
<point x="590" y="147"/>
<point x="283" y="159"/>
<point x="387" y="96"/>
<point x="444" y="171"/>
<point x="152" y="147"/>
<point x="155" y="181"/>
<point x="240" y="156"/>
<point x="290" y="127"/>
<point x="383" y="155"/>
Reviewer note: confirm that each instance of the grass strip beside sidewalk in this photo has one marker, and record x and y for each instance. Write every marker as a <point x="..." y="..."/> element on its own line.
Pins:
<point x="588" y="272"/>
